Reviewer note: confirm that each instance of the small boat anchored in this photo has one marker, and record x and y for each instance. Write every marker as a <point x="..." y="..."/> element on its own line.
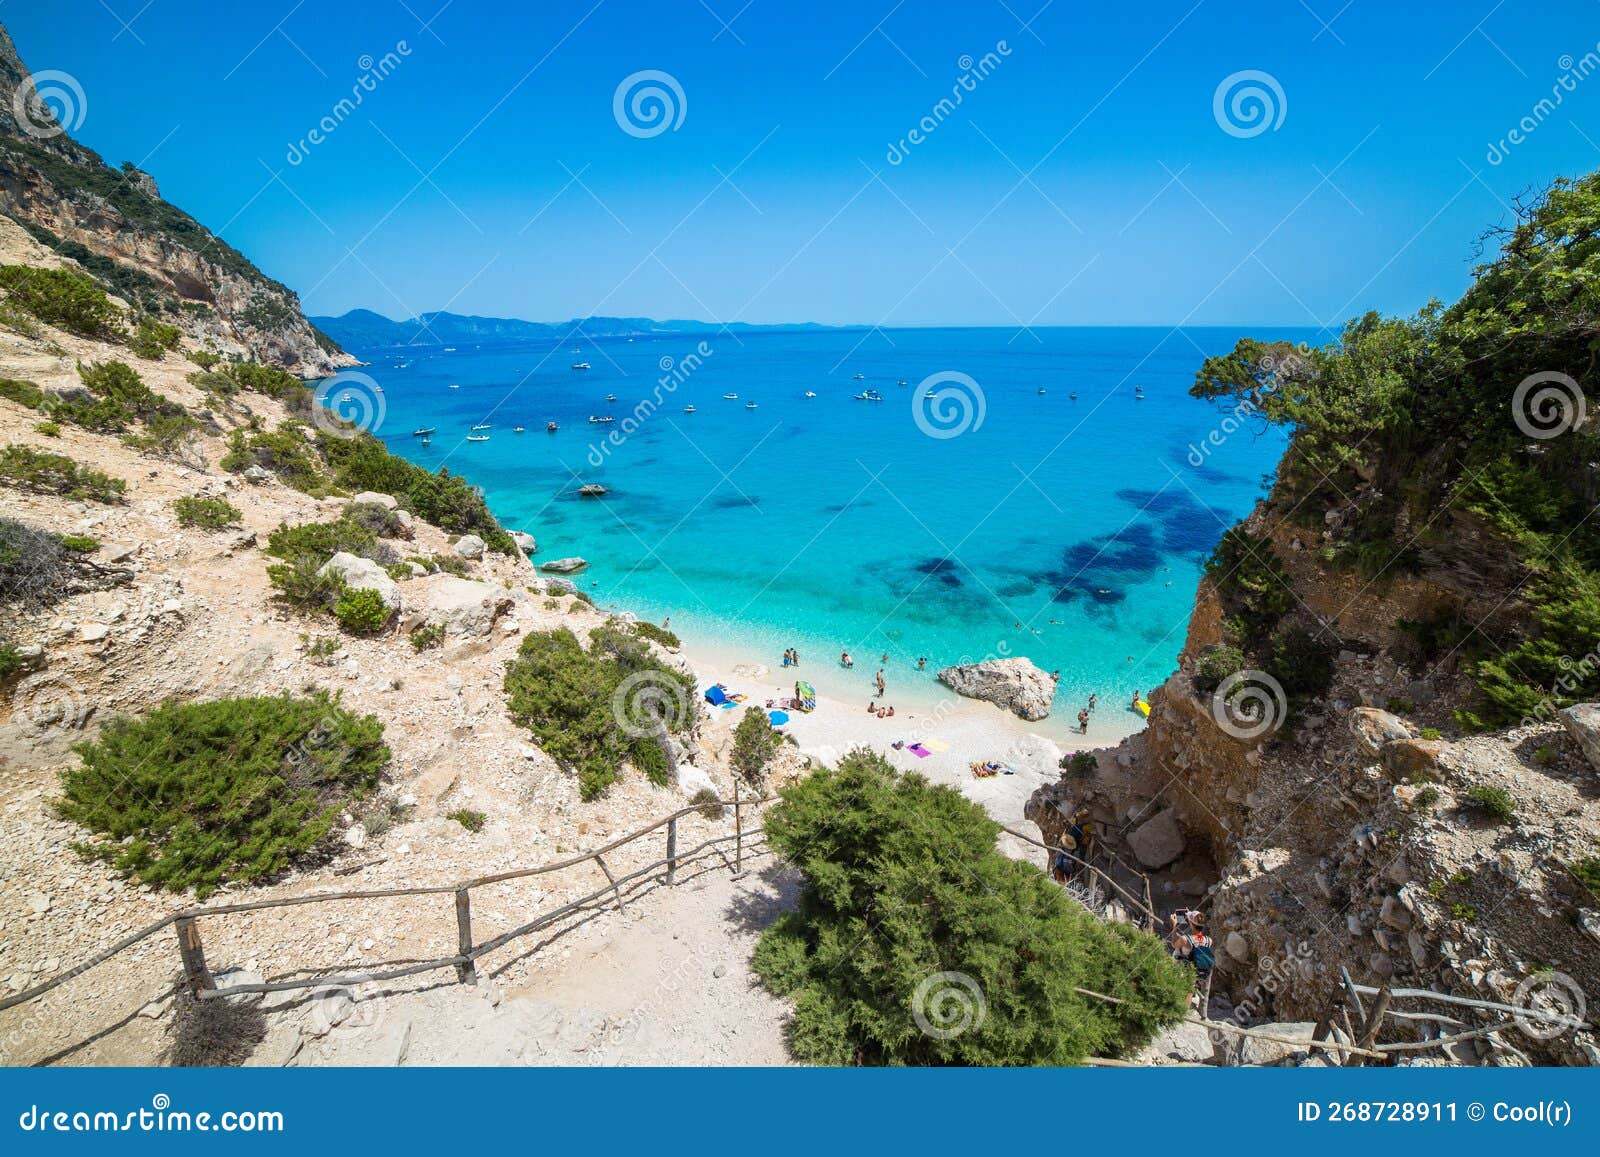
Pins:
<point x="551" y="427"/>
<point x="601" y="419"/>
<point x="423" y="431"/>
<point x="731" y="397"/>
<point x="580" y="365"/>
<point x="861" y="377"/>
<point x="519" y="429"/>
<point x="689" y="409"/>
<point x="455" y="385"/>
<point x="477" y="437"/>
<point x="749" y="405"/>
<point x="811" y="393"/>
<point x="481" y="426"/>
<point x="611" y="397"/>
<point x="870" y="396"/>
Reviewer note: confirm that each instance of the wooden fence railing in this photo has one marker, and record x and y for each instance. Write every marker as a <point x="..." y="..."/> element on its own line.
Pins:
<point x="197" y="974"/>
<point x="1142" y="909"/>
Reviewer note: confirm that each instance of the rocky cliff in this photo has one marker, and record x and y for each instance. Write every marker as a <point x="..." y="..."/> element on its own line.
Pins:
<point x="142" y="248"/>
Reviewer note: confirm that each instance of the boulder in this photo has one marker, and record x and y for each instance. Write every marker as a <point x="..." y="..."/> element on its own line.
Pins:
<point x="374" y="498"/>
<point x="257" y="474"/>
<point x="526" y="543"/>
<point x="461" y="606"/>
<point x="1582" y="721"/>
<point x="470" y="546"/>
<point x="564" y="566"/>
<point x="404" y="526"/>
<point x="1238" y="947"/>
<point x="1014" y="684"/>
<point x="1373" y="728"/>
<point x="363" y="574"/>
<point x="1407" y="757"/>
<point x="1158" y="841"/>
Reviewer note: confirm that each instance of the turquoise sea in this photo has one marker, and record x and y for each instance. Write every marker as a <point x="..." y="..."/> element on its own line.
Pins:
<point x="1070" y="530"/>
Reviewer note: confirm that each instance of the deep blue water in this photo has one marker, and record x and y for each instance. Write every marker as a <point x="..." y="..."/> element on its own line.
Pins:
<point x="829" y="523"/>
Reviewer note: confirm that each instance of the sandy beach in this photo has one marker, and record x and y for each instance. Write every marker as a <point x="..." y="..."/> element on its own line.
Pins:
<point x="924" y="710"/>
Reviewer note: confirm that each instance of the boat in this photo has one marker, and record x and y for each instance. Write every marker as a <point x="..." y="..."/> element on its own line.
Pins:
<point x="481" y="426"/>
<point x="811" y="393"/>
<point x="580" y="365"/>
<point x="551" y="427"/>
<point x="902" y="382"/>
<point x="519" y="429"/>
<point x="688" y="409"/>
<point x="1073" y="395"/>
<point x="611" y="397"/>
<point x="601" y="420"/>
<point x="454" y="386"/>
<point x="731" y="397"/>
<point x="449" y="349"/>
<point x="378" y="389"/>
<point x="347" y="396"/>
<point x="592" y="490"/>
<point x="426" y="441"/>
<point x="477" y="437"/>
<point x="423" y="431"/>
<point x="861" y="377"/>
<point x="870" y="396"/>
<point x="1041" y="390"/>
<point x="749" y="405"/>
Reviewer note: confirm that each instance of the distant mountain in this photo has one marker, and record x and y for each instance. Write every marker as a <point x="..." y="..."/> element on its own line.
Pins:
<point x="364" y="329"/>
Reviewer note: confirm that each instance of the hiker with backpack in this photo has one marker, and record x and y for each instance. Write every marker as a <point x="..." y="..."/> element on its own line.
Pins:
<point x="1066" y="867"/>
<point x="1191" y="945"/>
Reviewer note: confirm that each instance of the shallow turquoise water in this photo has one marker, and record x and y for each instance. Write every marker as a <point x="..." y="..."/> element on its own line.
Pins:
<point x="1069" y="530"/>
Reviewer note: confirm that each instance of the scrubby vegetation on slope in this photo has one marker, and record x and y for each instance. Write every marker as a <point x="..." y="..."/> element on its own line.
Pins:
<point x="200" y="794"/>
<point x="917" y="943"/>
<point x="1414" y="437"/>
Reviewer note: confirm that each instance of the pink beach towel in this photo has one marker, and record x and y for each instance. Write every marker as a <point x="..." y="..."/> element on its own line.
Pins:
<point x="919" y="751"/>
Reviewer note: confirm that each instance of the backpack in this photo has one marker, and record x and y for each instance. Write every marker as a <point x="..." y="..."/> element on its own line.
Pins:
<point x="1200" y="952"/>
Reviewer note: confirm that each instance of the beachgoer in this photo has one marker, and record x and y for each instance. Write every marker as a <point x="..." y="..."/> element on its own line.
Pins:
<point x="891" y="711"/>
<point x="845" y="660"/>
<point x="1083" y="723"/>
<point x="1065" y="867"/>
<point x="1093" y="699"/>
<point x="1136" y="701"/>
<point x="922" y="663"/>
<point x="879" y="713"/>
<point x="880" y="683"/>
<point x="666" y="623"/>
<point x="796" y="655"/>
<point x="885" y="658"/>
<point x="1055" y="676"/>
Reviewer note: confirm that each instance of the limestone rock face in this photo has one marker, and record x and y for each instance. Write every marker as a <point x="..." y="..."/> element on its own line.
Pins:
<point x="564" y="566"/>
<point x="1582" y="722"/>
<point x="1373" y="728"/>
<point x="526" y="543"/>
<point x="461" y="606"/>
<point x="470" y="546"/>
<point x="1014" y="684"/>
<point x="1407" y="757"/>
<point x="1158" y="841"/>
<point x="363" y="574"/>
<point x="373" y="498"/>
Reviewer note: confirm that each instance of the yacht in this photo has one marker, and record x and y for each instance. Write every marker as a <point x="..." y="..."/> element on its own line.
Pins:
<point x="580" y="365"/>
<point x="422" y="431"/>
<point x="873" y="396"/>
<point x="480" y="426"/>
<point x="477" y="437"/>
<point x="861" y="377"/>
<point x="689" y="409"/>
<point x="519" y="429"/>
<point x="611" y="397"/>
<point x="731" y="397"/>
<point x="551" y="427"/>
<point x="749" y="405"/>
<point x="455" y="386"/>
<point x="601" y="420"/>
<point x="811" y="393"/>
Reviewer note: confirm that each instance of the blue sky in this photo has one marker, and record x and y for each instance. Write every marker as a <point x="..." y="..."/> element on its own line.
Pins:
<point x="1086" y="179"/>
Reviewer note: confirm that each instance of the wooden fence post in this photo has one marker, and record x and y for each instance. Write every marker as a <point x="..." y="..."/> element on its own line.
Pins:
<point x="672" y="850"/>
<point x="193" y="955"/>
<point x="467" y="970"/>
<point x="738" y="830"/>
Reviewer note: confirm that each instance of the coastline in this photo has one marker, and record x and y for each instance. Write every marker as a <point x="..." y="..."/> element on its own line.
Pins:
<point x="925" y="709"/>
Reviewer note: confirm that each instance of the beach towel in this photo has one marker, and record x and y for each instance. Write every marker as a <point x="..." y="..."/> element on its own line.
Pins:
<point x="777" y="718"/>
<point x="805" y="696"/>
<point x="935" y="745"/>
<point x="920" y="751"/>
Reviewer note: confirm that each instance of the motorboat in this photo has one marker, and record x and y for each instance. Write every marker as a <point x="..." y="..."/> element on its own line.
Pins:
<point x="480" y="426"/>
<point x="861" y="377"/>
<point x="731" y="397"/>
<point x="423" y="431"/>
<point x="455" y="385"/>
<point x="688" y="409"/>
<point x="551" y="427"/>
<point x="1041" y="390"/>
<point x="580" y="365"/>
<point x="611" y="397"/>
<point x="477" y="437"/>
<point x="601" y="419"/>
<point x="902" y="382"/>
<point x="869" y="396"/>
<point x="811" y="393"/>
<point x="749" y="405"/>
<point x="519" y="429"/>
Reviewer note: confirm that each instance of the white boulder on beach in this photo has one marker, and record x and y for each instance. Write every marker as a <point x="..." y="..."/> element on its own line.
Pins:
<point x="1014" y="684"/>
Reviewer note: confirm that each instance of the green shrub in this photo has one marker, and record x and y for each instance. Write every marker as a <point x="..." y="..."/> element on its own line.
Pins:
<point x="320" y="540"/>
<point x="1398" y="705"/>
<point x="80" y="543"/>
<point x="427" y="636"/>
<point x="283" y="451"/>
<point x="1252" y="584"/>
<point x="917" y="943"/>
<point x="23" y="393"/>
<point x="471" y="820"/>
<point x="272" y="382"/>
<point x="1079" y="765"/>
<point x="1545" y="754"/>
<point x="1587" y="873"/>
<point x="361" y="611"/>
<point x="166" y="436"/>
<point x="1430" y="733"/>
<point x="1427" y="797"/>
<point x="376" y="517"/>
<point x="305" y="548"/>
<point x="48" y="429"/>
<point x="43" y="473"/>
<point x="62" y="298"/>
<point x="708" y="803"/>
<point x="1464" y="912"/>
<point x="206" y="513"/>
<point x="591" y="710"/>
<point x="1216" y="665"/>
<point x="154" y="338"/>
<point x="200" y="794"/>
<point x="11" y="660"/>
<point x="207" y="360"/>
<point x="648" y="630"/>
<point x="754" y="744"/>
<point x="1494" y="802"/>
